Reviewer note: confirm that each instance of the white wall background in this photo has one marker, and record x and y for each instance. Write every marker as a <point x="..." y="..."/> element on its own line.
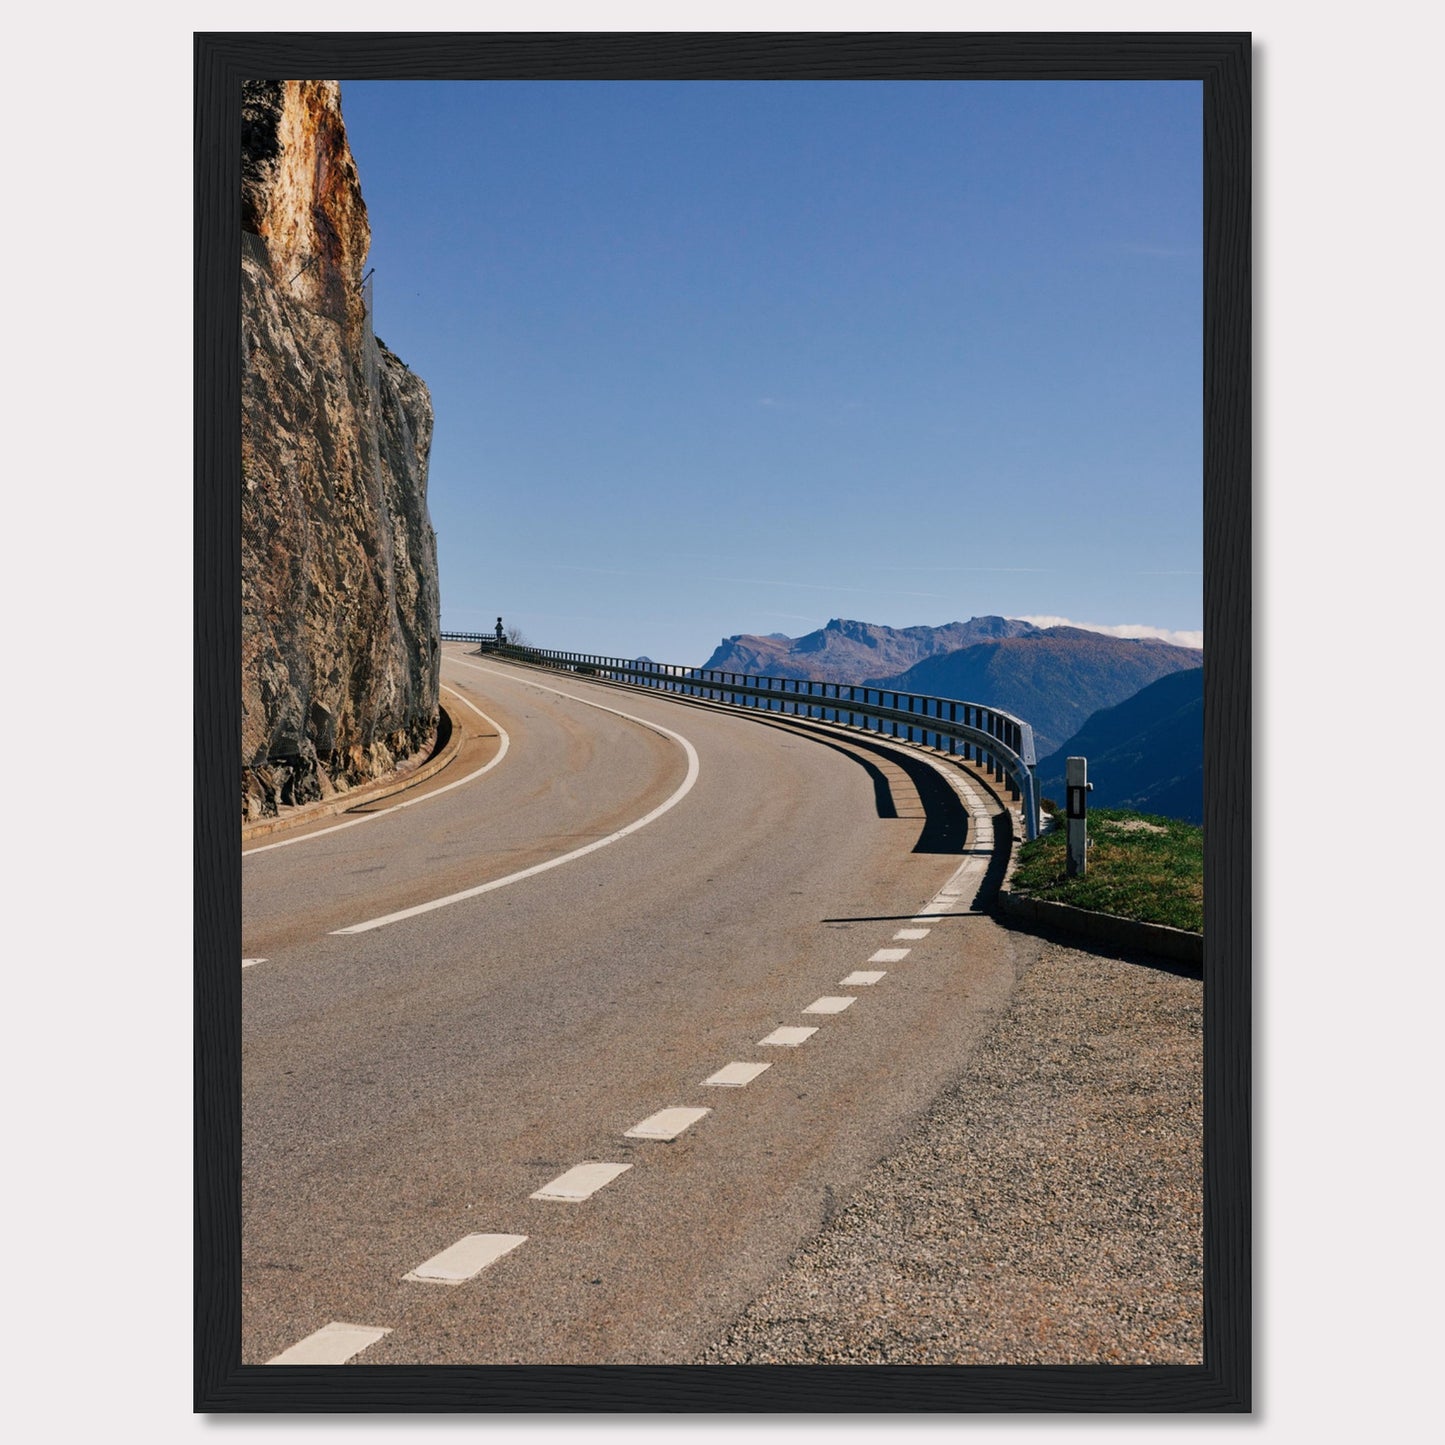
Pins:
<point x="1347" y="522"/>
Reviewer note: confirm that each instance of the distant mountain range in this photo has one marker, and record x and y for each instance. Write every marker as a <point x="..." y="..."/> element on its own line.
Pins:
<point x="1147" y="753"/>
<point x="1055" y="678"/>
<point x="845" y="651"/>
<point x="1132" y="705"/>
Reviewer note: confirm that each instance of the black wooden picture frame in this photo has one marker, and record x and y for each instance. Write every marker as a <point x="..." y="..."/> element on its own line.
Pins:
<point x="1222" y="63"/>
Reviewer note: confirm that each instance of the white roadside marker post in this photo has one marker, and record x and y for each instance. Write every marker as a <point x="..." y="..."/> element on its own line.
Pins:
<point x="1076" y="779"/>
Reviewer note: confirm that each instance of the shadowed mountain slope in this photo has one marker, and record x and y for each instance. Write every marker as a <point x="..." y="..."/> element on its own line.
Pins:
<point x="1055" y="678"/>
<point x="1147" y="753"/>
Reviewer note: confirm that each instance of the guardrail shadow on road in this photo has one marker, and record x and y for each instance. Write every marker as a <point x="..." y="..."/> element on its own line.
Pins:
<point x="998" y="741"/>
<point x="945" y="819"/>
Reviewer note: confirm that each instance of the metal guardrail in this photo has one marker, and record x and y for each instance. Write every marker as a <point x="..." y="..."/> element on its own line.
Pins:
<point x="487" y="639"/>
<point x="996" y="740"/>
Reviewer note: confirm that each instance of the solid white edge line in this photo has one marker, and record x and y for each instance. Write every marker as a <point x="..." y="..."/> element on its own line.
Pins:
<point x="980" y="818"/>
<point x="683" y="790"/>
<point x="410" y="802"/>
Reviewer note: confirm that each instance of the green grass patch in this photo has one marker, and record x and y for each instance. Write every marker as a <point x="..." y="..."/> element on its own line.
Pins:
<point x="1140" y="866"/>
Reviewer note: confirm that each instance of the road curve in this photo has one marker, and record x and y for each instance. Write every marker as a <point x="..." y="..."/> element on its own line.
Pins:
<point x="407" y="1091"/>
<point x="362" y="810"/>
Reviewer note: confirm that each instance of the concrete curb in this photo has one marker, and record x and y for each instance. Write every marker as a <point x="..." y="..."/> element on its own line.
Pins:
<point x="1175" y="944"/>
<point x="365" y="794"/>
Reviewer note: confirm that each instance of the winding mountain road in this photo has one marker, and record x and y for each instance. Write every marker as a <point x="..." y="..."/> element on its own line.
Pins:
<point x="607" y="913"/>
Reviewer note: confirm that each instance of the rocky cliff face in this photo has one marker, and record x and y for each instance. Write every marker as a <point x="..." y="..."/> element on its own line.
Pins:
<point x="340" y="647"/>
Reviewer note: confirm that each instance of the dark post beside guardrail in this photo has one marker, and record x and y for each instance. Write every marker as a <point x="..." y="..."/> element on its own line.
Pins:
<point x="994" y="741"/>
<point x="1076" y="780"/>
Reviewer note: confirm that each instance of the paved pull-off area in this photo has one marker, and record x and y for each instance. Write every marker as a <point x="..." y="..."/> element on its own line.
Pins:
<point x="660" y="1034"/>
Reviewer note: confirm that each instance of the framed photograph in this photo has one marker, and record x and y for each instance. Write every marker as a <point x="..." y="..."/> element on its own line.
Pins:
<point x="685" y="966"/>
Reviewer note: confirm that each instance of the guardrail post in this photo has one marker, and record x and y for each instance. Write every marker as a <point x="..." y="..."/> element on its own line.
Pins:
<point x="1031" y="803"/>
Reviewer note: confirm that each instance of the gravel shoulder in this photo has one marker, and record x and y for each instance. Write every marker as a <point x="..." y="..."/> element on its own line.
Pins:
<point x="1048" y="1207"/>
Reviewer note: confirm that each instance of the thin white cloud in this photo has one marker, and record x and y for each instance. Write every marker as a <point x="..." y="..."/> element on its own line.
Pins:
<point x="1124" y="629"/>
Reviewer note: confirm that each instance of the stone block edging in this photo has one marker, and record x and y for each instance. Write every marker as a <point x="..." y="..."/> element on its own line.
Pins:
<point x="1176" y="944"/>
<point x="363" y="794"/>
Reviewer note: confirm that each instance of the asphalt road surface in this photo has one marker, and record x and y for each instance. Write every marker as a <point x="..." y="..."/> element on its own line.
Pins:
<point x="692" y="881"/>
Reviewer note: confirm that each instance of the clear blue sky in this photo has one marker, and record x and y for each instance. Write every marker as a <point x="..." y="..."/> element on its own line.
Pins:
<point x="720" y="357"/>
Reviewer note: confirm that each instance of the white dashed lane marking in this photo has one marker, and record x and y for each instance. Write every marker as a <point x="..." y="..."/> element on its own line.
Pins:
<point x="332" y="1344"/>
<point x="788" y="1038"/>
<point x="829" y="1004"/>
<point x="581" y="1181"/>
<point x="890" y="955"/>
<point x="735" y="1075"/>
<point x="466" y="1258"/>
<point x="666" y="1123"/>
<point x="336" y="1343"/>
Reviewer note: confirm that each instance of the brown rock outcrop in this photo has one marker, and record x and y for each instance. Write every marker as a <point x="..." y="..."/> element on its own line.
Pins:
<point x="340" y="647"/>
